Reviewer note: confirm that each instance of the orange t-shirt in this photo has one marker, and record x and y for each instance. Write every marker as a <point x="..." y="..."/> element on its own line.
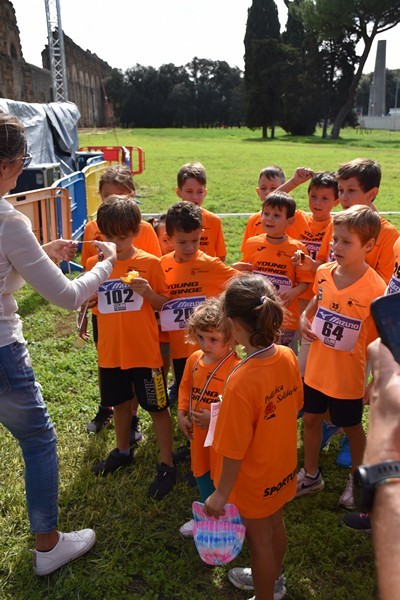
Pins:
<point x="253" y="228"/>
<point x="381" y="256"/>
<point x="257" y="424"/>
<point x="394" y="283"/>
<point x="128" y="330"/>
<point x="212" y="240"/>
<point x="311" y="232"/>
<point x="200" y="278"/>
<point x="344" y="326"/>
<point x="146" y="240"/>
<point x="194" y="378"/>
<point x="274" y="261"/>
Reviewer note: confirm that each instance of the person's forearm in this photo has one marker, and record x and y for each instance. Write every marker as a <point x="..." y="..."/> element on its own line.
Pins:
<point x="230" y="471"/>
<point x="385" y="518"/>
<point x="156" y="300"/>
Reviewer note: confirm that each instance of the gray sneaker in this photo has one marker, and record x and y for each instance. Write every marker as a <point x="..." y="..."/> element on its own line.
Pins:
<point x="306" y="484"/>
<point x="347" y="499"/>
<point x="243" y="580"/>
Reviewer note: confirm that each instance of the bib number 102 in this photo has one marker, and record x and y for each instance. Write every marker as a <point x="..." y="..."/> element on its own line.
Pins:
<point x="329" y="330"/>
<point x="119" y="296"/>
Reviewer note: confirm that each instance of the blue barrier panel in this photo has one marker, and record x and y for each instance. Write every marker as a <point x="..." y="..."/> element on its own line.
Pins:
<point x="75" y="184"/>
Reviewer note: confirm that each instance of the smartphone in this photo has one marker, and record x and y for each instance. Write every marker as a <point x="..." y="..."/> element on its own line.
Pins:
<point x="385" y="311"/>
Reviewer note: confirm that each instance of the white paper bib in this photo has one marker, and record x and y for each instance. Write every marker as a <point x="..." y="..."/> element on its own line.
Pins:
<point x="175" y="313"/>
<point x="281" y="282"/>
<point x="335" y="330"/>
<point x="393" y="286"/>
<point x="115" y="296"/>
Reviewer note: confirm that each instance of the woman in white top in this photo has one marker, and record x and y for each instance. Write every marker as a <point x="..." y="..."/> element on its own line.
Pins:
<point x="22" y="410"/>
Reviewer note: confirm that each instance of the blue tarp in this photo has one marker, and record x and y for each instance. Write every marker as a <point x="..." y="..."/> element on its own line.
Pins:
<point x="51" y="130"/>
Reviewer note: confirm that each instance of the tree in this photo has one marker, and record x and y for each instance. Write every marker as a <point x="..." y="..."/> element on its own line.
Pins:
<point x="301" y="98"/>
<point x="263" y="52"/>
<point x="356" y="20"/>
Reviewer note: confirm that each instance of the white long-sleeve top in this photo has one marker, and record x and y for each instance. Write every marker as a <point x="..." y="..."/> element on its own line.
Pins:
<point x="22" y="259"/>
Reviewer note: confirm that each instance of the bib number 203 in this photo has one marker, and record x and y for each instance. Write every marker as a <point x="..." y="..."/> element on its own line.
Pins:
<point x="182" y="314"/>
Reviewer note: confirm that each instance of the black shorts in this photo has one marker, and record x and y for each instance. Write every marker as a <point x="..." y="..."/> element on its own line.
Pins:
<point x="120" y="385"/>
<point x="179" y="367"/>
<point x="344" y="413"/>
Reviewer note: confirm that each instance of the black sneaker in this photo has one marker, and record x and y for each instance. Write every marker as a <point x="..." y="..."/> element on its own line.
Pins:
<point x="114" y="461"/>
<point x="104" y="416"/>
<point x="163" y="482"/>
<point x="190" y="479"/>
<point x="358" y="521"/>
<point x="181" y="454"/>
<point x="135" y="434"/>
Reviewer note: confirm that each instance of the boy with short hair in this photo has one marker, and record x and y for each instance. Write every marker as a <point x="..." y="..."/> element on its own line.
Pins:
<point x="192" y="187"/>
<point x="269" y="180"/>
<point x="271" y="253"/>
<point x="128" y="342"/>
<point x="341" y="329"/>
<point x="191" y="276"/>
<point x="358" y="183"/>
<point x="118" y="180"/>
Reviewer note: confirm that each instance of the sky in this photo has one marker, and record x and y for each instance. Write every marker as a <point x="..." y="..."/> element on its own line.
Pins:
<point x="156" y="32"/>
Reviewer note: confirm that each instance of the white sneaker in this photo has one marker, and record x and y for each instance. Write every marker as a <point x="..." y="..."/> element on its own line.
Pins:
<point x="186" y="530"/>
<point x="307" y="484"/>
<point x="347" y="499"/>
<point x="69" y="547"/>
<point x="277" y="595"/>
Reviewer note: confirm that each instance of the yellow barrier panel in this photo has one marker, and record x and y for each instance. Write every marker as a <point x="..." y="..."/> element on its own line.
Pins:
<point x="92" y="175"/>
<point x="45" y="214"/>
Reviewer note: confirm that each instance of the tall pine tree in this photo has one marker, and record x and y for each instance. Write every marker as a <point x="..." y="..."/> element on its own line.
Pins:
<point x="265" y="61"/>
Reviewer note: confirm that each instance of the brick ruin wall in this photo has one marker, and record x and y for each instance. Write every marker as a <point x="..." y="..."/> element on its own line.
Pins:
<point x="21" y="81"/>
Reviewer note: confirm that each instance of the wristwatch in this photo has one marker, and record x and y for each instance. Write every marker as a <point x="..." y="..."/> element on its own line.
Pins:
<point x="367" y="477"/>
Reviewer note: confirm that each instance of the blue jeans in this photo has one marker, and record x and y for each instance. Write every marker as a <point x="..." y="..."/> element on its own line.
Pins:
<point x="23" y="412"/>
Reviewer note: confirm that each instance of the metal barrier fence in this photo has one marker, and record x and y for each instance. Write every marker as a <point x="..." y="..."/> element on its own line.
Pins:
<point x="48" y="209"/>
<point x="75" y="185"/>
<point x="92" y="174"/>
<point x="131" y="156"/>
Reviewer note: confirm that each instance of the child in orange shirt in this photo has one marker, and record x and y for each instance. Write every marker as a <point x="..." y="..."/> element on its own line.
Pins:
<point x="116" y="180"/>
<point x="358" y="183"/>
<point x="192" y="187"/>
<point x="203" y="378"/>
<point x="271" y="253"/>
<point x="270" y="179"/>
<point x="128" y="343"/>
<point x="256" y="433"/>
<point x="191" y="276"/>
<point x="341" y="329"/>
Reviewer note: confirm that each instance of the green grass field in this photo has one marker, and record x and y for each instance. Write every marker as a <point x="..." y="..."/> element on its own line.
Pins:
<point x="139" y="553"/>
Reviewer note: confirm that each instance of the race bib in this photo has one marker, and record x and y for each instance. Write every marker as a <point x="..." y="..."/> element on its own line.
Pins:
<point x="337" y="331"/>
<point x="313" y="248"/>
<point x="115" y="296"/>
<point x="175" y="313"/>
<point x="393" y="286"/>
<point x="281" y="282"/>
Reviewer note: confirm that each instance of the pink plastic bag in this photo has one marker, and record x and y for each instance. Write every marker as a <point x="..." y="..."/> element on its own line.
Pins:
<point x="218" y="541"/>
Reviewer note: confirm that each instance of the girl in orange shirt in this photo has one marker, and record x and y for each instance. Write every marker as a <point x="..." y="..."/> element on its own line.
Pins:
<point x="256" y="433"/>
<point x="203" y="378"/>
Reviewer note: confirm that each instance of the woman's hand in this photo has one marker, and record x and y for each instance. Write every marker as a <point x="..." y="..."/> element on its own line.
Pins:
<point x="61" y="249"/>
<point x="107" y="251"/>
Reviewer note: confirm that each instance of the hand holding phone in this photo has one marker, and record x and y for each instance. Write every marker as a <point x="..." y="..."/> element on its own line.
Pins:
<point x="385" y="311"/>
